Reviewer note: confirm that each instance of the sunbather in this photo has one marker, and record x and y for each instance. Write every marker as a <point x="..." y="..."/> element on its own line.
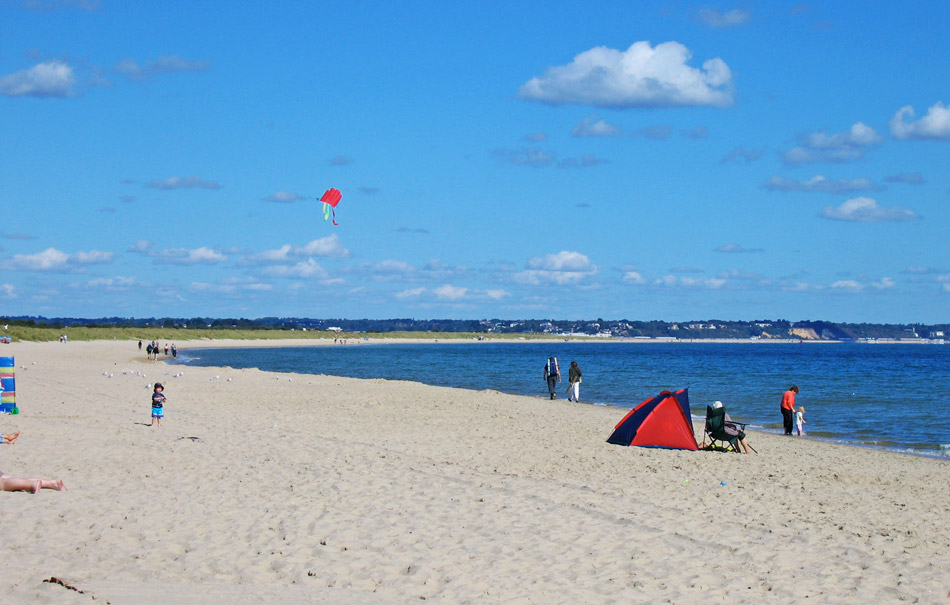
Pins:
<point x="10" y="438"/>
<point x="31" y="484"/>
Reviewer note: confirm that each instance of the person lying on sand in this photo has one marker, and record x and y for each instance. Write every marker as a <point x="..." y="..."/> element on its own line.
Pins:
<point x="10" y="438"/>
<point x="32" y="484"/>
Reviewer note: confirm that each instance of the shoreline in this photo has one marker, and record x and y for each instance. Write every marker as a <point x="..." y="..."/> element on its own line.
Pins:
<point x="294" y="487"/>
<point x="934" y="453"/>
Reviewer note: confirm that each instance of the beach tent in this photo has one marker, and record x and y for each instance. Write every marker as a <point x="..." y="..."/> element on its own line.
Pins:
<point x="662" y="421"/>
<point x="8" y="396"/>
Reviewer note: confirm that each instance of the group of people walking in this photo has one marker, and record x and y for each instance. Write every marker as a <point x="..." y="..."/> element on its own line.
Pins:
<point x="154" y="349"/>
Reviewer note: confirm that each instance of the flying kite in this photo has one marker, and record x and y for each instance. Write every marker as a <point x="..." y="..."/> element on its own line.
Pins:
<point x="330" y="199"/>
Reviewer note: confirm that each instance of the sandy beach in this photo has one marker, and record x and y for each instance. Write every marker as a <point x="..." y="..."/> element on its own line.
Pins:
<point x="267" y="487"/>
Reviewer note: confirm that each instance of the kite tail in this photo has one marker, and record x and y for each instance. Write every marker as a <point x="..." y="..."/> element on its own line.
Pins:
<point x="327" y="209"/>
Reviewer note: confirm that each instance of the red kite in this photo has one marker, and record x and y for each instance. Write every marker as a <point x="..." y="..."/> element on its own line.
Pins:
<point x="330" y="199"/>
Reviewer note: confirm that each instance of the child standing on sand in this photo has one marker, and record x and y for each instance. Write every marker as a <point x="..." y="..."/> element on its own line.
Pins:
<point x="158" y="404"/>
<point x="800" y="420"/>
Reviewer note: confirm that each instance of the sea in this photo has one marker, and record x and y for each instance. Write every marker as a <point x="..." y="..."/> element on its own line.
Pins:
<point x="887" y="396"/>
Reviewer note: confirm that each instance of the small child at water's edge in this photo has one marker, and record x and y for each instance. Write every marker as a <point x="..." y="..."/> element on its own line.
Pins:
<point x="158" y="404"/>
<point x="800" y="420"/>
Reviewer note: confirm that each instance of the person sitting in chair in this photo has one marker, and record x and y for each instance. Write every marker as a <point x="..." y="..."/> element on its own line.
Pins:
<point x="731" y="428"/>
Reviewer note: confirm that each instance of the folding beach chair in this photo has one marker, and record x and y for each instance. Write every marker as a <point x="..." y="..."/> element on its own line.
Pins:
<point x="715" y="430"/>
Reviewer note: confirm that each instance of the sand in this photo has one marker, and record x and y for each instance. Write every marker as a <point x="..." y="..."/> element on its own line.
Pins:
<point x="267" y="487"/>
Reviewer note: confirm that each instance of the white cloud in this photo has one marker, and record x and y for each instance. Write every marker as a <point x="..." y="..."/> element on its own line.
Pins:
<point x="52" y="259"/>
<point x="413" y="293"/>
<point x="848" y="285"/>
<point x="641" y="76"/>
<point x="715" y="19"/>
<point x="49" y="79"/>
<point x="183" y="256"/>
<point x="866" y="210"/>
<point x="840" y="147"/>
<point x="593" y="127"/>
<point x="885" y="283"/>
<point x="562" y="268"/>
<point x="820" y="184"/>
<point x="450" y="292"/>
<point x="633" y="278"/>
<point x="7" y="291"/>
<point x="934" y="125"/>
<point x="329" y="246"/>
<point x="188" y="182"/>
<point x="305" y="269"/>
<point x="92" y="257"/>
<point x="496" y="294"/>
<point x="700" y="283"/>
<point x="114" y="283"/>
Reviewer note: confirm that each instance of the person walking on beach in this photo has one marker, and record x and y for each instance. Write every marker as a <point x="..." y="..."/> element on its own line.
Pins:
<point x="788" y="408"/>
<point x="552" y="374"/>
<point x="574" y="383"/>
<point x="800" y="420"/>
<point x="158" y="404"/>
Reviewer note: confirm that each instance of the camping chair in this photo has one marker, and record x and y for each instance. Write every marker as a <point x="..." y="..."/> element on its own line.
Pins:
<point x="715" y="430"/>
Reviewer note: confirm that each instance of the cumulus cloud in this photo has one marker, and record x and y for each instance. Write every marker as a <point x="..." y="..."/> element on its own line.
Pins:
<point x="117" y="283"/>
<point x="734" y="248"/>
<point x="634" y="278"/>
<point x="866" y="210"/>
<point x="591" y="126"/>
<point x="820" y="184"/>
<point x="188" y="182"/>
<point x="328" y="247"/>
<point x="934" y="125"/>
<point x="184" y="256"/>
<point x="283" y="197"/>
<point x="562" y="268"/>
<point x="308" y="269"/>
<point x="52" y="259"/>
<point x="7" y="291"/>
<point x="641" y="76"/>
<point x="450" y="292"/>
<point x="163" y="65"/>
<point x="847" y="285"/>
<point x="48" y="79"/>
<point x="699" y="283"/>
<point x="715" y="19"/>
<point x="840" y="147"/>
<point x="885" y="283"/>
<point x="411" y="293"/>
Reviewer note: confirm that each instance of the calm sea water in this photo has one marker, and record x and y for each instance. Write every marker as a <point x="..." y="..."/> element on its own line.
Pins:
<point x="887" y="396"/>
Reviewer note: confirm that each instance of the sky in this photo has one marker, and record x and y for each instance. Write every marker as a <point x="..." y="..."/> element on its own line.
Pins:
<point x="562" y="160"/>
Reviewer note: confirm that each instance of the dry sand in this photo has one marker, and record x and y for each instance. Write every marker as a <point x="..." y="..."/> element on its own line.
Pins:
<point x="279" y="488"/>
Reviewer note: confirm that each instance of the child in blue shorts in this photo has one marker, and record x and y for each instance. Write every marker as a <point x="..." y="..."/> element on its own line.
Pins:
<point x="158" y="404"/>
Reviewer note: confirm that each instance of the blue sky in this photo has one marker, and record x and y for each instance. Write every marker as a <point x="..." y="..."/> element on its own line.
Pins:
<point x="512" y="159"/>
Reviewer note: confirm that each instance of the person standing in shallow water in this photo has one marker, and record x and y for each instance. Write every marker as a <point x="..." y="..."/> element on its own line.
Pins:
<point x="574" y="383"/>
<point x="788" y="409"/>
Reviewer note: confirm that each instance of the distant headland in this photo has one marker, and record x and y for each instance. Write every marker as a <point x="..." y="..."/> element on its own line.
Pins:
<point x="43" y="328"/>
